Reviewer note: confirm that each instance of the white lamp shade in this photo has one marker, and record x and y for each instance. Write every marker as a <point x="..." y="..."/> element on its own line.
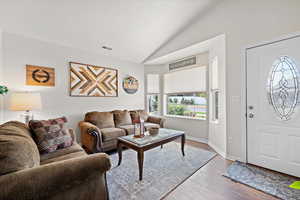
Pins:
<point x="23" y="101"/>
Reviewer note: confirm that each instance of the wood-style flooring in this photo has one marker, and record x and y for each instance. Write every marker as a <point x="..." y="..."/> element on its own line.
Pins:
<point x="209" y="184"/>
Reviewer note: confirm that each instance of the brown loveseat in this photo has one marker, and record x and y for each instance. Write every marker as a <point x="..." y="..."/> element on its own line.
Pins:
<point x="100" y="130"/>
<point x="65" y="174"/>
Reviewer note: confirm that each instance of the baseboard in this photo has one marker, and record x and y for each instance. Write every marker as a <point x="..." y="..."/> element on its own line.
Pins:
<point x="201" y="140"/>
<point x="218" y="150"/>
<point x="233" y="158"/>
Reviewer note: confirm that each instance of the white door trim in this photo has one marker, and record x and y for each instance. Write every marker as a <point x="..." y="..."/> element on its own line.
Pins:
<point x="244" y="88"/>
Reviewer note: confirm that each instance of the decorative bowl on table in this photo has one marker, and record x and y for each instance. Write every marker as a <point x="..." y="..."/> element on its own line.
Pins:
<point x="153" y="131"/>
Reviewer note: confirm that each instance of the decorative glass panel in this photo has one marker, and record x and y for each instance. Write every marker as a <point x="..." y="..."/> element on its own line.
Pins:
<point x="283" y="87"/>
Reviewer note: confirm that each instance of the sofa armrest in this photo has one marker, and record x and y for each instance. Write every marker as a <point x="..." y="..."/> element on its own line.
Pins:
<point x="91" y="137"/>
<point x="55" y="178"/>
<point x="157" y="120"/>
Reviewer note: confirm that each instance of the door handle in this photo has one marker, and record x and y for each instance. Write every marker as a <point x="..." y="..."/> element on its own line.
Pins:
<point x="251" y="115"/>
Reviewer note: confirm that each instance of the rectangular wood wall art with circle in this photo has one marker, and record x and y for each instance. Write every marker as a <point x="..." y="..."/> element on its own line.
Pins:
<point x="93" y="81"/>
<point x="40" y="76"/>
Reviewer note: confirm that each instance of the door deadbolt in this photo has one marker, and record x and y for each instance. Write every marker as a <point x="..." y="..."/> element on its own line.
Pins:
<point x="251" y="115"/>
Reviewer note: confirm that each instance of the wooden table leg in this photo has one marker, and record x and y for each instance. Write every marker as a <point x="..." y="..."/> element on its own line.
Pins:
<point x="182" y="144"/>
<point x="119" y="146"/>
<point x="140" y="157"/>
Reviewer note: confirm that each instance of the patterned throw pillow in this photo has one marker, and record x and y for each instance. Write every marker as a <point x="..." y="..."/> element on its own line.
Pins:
<point x="51" y="135"/>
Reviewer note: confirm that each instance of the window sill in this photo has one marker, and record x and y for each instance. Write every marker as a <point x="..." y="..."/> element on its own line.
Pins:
<point x="184" y="117"/>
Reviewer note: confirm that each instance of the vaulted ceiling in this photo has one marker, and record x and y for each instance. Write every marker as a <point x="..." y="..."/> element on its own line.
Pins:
<point x="133" y="28"/>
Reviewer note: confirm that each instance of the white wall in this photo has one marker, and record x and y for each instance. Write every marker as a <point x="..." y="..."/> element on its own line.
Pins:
<point x="19" y="51"/>
<point x="194" y="129"/>
<point x="217" y="135"/>
<point x="1" y="77"/>
<point x="244" y="23"/>
<point x="1" y="58"/>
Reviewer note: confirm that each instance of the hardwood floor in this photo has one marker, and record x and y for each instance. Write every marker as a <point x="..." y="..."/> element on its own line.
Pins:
<point x="209" y="184"/>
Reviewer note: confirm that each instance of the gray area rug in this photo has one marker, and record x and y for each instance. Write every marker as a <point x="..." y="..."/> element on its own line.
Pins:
<point x="267" y="181"/>
<point x="164" y="169"/>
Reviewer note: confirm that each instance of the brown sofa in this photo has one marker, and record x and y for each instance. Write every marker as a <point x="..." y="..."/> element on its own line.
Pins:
<point x="100" y="130"/>
<point x="65" y="174"/>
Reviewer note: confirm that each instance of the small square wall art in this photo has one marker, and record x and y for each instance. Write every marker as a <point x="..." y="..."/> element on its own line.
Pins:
<point x="40" y="76"/>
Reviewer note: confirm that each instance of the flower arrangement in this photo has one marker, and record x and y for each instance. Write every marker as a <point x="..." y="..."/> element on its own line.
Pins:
<point x="3" y="90"/>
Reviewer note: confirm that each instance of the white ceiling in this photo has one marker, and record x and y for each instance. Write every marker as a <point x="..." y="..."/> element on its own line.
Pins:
<point x="133" y="28"/>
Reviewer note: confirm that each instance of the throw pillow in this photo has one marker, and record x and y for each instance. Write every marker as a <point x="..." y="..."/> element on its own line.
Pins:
<point x="51" y="135"/>
<point x="122" y="118"/>
<point x="143" y="115"/>
<point x="134" y="116"/>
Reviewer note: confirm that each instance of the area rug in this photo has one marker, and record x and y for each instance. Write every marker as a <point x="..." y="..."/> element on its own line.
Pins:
<point x="164" y="170"/>
<point x="267" y="181"/>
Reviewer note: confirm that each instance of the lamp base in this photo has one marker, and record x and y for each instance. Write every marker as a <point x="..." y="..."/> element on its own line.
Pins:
<point x="27" y="117"/>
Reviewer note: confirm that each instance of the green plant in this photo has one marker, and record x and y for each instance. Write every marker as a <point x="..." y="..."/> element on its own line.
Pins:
<point x="3" y="89"/>
<point x="174" y="109"/>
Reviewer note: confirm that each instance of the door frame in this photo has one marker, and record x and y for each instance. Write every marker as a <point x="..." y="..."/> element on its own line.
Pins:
<point x="244" y="124"/>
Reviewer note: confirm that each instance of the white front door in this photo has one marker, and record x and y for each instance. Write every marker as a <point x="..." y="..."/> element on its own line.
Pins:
<point x="273" y="108"/>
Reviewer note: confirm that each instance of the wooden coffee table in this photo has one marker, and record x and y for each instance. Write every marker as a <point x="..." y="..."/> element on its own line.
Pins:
<point x="140" y="145"/>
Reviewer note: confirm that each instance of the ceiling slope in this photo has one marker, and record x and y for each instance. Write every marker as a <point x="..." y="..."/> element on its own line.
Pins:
<point x="133" y="28"/>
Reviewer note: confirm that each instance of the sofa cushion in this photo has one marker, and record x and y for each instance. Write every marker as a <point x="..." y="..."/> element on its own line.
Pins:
<point x="51" y="134"/>
<point x="149" y="125"/>
<point x="122" y="118"/>
<point x="128" y="128"/>
<point x="18" y="151"/>
<point x="63" y="154"/>
<point x="112" y="133"/>
<point x="100" y="119"/>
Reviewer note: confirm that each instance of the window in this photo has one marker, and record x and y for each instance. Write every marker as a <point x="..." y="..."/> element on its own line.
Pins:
<point x="215" y="103"/>
<point x="153" y="94"/>
<point x="186" y="93"/>
<point x="192" y="105"/>
<point x="153" y="104"/>
<point x="215" y="92"/>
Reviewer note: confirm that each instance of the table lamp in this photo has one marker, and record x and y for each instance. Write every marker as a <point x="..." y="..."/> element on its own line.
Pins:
<point x="25" y="101"/>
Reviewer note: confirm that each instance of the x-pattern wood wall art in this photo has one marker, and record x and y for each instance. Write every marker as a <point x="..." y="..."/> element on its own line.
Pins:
<point x="90" y="80"/>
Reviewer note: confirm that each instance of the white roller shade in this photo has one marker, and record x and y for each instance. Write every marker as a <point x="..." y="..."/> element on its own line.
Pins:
<point x="153" y="83"/>
<point x="188" y="80"/>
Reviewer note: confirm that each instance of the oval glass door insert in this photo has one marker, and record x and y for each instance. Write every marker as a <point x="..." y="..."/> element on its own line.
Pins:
<point x="283" y="87"/>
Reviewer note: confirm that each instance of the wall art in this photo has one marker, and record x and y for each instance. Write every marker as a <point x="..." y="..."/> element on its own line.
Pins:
<point x="40" y="76"/>
<point x="130" y="85"/>
<point x="93" y="81"/>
